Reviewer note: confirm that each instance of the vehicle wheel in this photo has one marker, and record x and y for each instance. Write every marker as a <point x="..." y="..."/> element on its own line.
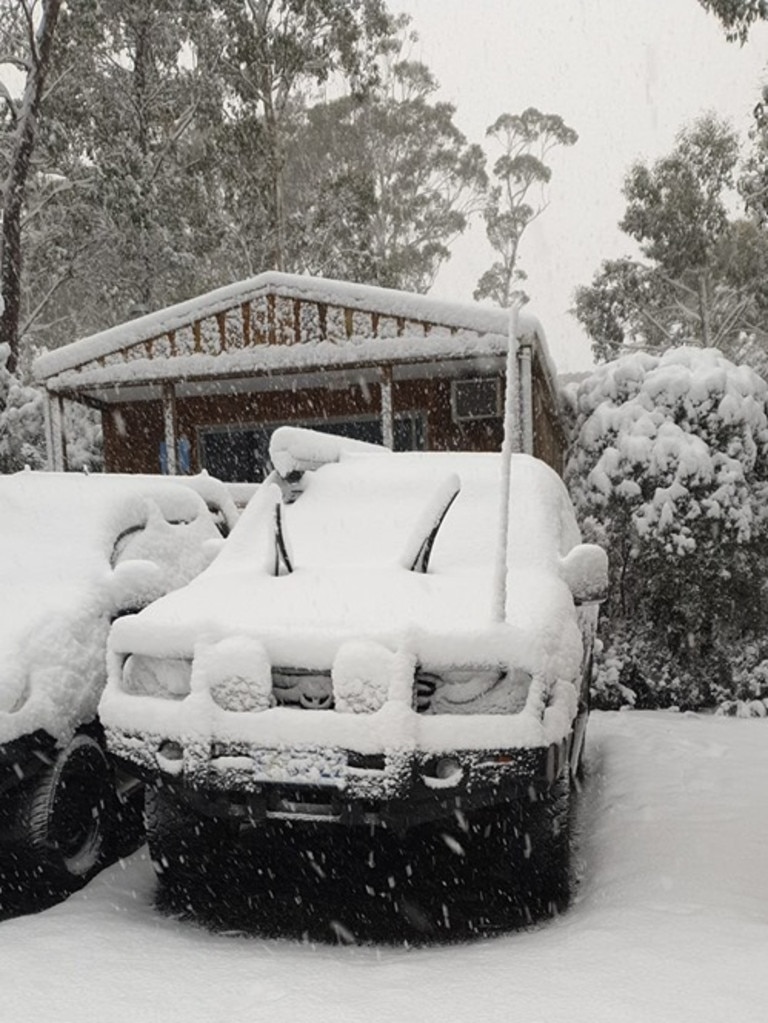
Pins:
<point x="497" y="869"/>
<point x="187" y="850"/>
<point x="576" y="760"/>
<point x="544" y="876"/>
<point x="61" y="817"/>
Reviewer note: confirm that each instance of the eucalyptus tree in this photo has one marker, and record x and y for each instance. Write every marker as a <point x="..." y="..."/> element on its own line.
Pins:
<point x="130" y="130"/>
<point x="386" y="181"/>
<point x="701" y="278"/>
<point x="28" y="30"/>
<point x="737" y="16"/>
<point x="519" y="195"/>
<point x="273" y="52"/>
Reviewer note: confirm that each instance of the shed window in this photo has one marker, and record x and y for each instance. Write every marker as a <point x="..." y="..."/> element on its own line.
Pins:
<point x="478" y="398"/>
<point x="239" y="454"/>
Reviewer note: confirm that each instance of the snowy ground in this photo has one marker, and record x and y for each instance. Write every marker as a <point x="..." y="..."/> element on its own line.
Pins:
<point x="670" y="922"/>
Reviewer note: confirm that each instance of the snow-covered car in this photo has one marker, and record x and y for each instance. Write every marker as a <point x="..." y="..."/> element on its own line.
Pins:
<point x="78" y="551"/>
<point x="221" y="499"/>
<point x="382" y="641"/>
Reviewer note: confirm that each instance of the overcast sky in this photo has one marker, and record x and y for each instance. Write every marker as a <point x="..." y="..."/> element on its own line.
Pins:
<point x="626" y="74"/>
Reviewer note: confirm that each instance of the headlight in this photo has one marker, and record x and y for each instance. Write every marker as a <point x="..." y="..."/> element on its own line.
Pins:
<point x="236" y="672"/>
<point x="362" y="674"/>
<point x="14" y="697"/>
<point x="156" y="676"/>
<point x="237" y="693"/>
<point x="470" y="690"/>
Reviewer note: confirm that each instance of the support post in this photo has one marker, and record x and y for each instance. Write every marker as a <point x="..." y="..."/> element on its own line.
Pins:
<point x="169" y="428"/>
<point x="526" y="395"/>
<point x="56" y="441"/>
<point x="387" y="410"/>
<point x="48" y="427"/>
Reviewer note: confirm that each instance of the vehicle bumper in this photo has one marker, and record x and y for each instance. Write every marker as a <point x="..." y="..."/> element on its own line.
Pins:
<point x="334" y="785"/>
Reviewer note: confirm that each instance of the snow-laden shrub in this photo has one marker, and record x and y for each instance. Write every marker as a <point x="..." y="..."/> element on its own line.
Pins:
<point x="22" y="431"/>
<point x="85" y="447"/>
<point x="22" y="427"/>
<point x="749" y="697"/>
<point x="668" y="471"/>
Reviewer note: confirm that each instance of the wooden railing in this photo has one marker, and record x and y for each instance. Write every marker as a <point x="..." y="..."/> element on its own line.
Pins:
<point x="273" y="320"/>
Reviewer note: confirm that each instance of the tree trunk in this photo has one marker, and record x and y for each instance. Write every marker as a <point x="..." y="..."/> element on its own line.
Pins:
<point x="275" y="163"/>
<point x="141" y="77"/>
<point x="16" y="184"/>
<point x="706" y="327"/>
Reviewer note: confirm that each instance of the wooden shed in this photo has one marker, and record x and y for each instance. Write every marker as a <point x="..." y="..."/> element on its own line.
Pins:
<point x="202" y="384"/>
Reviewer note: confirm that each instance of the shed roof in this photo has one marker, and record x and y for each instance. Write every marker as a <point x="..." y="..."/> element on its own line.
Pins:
<point x="278" y="323"/>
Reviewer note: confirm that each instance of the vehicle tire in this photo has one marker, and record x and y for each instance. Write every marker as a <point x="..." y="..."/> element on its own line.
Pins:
<point x="505" y="867"/>
<point x="544" y="878"/>
<point x="188" y="851"/>
<point x="580" y="723"/>
<point x="62" y="815"/>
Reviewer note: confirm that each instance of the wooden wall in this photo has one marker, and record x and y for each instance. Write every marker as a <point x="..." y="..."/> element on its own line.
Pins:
<point x="133" y="432"/>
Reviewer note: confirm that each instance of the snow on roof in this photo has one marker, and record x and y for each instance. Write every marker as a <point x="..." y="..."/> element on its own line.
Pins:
<point x="268" y="358"/>
<point x="366" y="298"/>
<point x="58" y="590"/>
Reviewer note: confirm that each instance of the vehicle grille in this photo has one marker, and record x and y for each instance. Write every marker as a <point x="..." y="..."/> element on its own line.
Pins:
<point x="302" y="688"/>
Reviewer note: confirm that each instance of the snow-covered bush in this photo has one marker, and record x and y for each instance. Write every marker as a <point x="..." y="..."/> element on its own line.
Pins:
<point x="750" y="682"/>
<point x="85" y="447"/>
<point x="668" y="471"/>
<point x="22" y="427"/>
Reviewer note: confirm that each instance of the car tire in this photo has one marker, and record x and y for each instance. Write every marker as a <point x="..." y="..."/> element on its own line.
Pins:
<point x="186" y="849"/>
<point x="544" y="878"/>
<point x="518" y="861"/>
<point x="62" y="815"/>
<point x="493" y="869"/>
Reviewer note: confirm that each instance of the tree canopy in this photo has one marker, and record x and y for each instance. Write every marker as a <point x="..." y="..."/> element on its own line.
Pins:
<point x="387" y="181"/>
<point x="519" y="194"/>
<point x="702" y="278"/>
<point x="737" y="16"/>
<point x="184" y="144"/>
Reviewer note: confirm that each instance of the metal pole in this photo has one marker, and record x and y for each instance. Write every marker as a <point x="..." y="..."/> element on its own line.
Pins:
<point x="511" y="442"/>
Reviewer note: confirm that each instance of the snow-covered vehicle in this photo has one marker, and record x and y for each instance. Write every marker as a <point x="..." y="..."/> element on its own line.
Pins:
<point x="78" y="551"/>
<point x="371" y="647"/>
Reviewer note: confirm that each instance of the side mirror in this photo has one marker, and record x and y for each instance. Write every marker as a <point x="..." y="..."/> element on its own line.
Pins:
<point x="585" y="570"/>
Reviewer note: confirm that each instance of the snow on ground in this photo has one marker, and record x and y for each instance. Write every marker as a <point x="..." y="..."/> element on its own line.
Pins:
<point x="670" y="923"/>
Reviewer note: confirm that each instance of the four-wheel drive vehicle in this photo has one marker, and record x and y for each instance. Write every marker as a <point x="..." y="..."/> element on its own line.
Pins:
<point x="78" y="551"/>
<point x="372" y="646"/>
